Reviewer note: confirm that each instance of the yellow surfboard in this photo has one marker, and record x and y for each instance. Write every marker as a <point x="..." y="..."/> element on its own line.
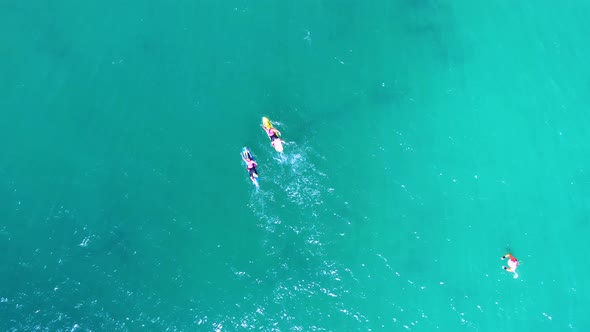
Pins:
<point x="276" y="143"/>
<point x="266" y="123"/>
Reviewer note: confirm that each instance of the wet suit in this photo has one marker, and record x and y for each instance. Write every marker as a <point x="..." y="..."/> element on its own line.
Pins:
<point x="252" y="170"/>
<point x="250" y="165"/>
<point x="272" y="134"/>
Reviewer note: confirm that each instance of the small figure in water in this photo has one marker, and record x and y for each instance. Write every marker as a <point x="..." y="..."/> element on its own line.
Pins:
<point x="273" y="134"/>
<point x="250" y="166"/>
<point x="512" y="264"/>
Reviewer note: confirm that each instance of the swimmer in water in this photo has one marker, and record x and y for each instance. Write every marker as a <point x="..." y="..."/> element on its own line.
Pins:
<point x="250" y="166"/>
<point x="512" y="264"/>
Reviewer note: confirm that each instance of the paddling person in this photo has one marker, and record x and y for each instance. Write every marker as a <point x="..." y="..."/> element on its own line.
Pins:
<point x="273" y="135"/>
<point x="512" y="264"/>
<point x="250" y="165"/>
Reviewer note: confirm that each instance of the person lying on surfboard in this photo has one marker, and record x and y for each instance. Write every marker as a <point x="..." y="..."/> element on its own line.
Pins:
<point x="512" y="264"/>
<point x="273" y="134"/>
<point x="250" y="166"/>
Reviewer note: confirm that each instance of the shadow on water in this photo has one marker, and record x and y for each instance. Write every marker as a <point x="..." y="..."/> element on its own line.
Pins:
<point x="382" y="96"/>
<point x="431" y="27"/>
<point x="110" y="249"/>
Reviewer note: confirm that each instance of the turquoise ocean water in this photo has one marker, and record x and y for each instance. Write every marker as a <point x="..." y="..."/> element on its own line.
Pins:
<point x="424" y="140"/>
